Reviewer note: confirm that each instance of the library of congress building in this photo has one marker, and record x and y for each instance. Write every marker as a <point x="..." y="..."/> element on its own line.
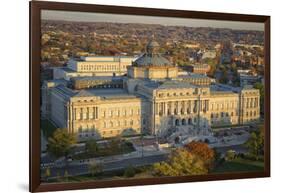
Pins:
<point x="153" y="97"/>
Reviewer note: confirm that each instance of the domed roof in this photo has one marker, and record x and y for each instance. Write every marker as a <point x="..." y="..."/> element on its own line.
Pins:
<point x="152" y="44"/>
<point x="152" y="57"/>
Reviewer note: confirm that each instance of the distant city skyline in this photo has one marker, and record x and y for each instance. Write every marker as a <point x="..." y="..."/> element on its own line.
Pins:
<point x="169" y="21"/>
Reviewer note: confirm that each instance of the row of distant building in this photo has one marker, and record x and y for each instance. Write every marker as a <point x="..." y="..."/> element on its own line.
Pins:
<point x="100" y="66"/>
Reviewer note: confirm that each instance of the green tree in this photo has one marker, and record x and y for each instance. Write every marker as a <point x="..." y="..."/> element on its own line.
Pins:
<point x="91" y="146"/>
<point x="256" y="144"/>
<point x="61" y="143"/>
<point x="217" y="157"/>
<point x="114" y="144"/>
<point x="230" y="155"/>
<point x="180" y="163"/>
<point x="129" y="172"/>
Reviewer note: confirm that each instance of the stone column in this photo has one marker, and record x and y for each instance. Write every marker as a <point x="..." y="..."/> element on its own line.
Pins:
<point x="75" y="114"/>
<point x="172" y="108"/>
<point x="97" y="113"/>
<point x="156" y="109"/>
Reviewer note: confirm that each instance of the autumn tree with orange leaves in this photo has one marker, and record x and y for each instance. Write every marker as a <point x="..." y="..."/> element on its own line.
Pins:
<point x="203" y="151"/>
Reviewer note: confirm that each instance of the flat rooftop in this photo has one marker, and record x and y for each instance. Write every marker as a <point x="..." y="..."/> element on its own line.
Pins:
<point x="108" y="93"/>
<point x="193" y="75"/>
<point x="223" y="88"/>
<point x="92" y="78"/>
<point x="168" y="84"/>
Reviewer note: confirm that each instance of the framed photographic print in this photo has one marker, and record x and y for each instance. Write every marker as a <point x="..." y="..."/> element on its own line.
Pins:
<point x="123" y="96"/>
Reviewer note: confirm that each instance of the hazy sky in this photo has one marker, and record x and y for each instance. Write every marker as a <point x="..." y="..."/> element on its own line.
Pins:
<point x="118" y="18"/>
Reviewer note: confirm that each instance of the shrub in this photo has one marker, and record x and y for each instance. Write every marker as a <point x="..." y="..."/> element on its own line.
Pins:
<point x="129" y="172"/>
<point x="230" y="155"/>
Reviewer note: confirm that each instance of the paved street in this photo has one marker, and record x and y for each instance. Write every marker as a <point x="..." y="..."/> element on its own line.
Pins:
<point x="83" y="169"/>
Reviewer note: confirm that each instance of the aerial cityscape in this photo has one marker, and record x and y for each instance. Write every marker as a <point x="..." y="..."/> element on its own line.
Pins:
<point x="126" y="98"/>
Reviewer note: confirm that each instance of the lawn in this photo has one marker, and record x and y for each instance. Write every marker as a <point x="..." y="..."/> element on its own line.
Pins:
<point x="48" y="128"/>
<point x="140" y="172"/>
<point x="239" y="165"/>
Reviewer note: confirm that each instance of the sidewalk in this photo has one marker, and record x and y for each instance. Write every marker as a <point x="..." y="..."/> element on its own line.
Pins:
<point x="109" y="159"/>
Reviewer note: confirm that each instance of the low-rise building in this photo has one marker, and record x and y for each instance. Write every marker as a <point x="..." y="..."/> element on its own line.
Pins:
<point x="94" y="66"/>
<point x="199" y="68"/>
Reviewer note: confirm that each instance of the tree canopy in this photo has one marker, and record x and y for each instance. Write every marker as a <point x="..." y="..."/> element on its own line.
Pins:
<point x="60" y="144"/>
<point x="91" y="146"/>
<point x="180" y="163"/>
<point x="256" y="143"/>
<point x="203" y="151"/>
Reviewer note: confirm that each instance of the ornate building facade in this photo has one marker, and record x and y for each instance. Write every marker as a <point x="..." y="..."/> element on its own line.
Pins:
<point x="153" y="98"/>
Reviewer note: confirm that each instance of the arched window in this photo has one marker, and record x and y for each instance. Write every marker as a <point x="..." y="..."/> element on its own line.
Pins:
<point x="189" y="121"/>
<point x="183" y="122"/>
<point x="177" y="122"/>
